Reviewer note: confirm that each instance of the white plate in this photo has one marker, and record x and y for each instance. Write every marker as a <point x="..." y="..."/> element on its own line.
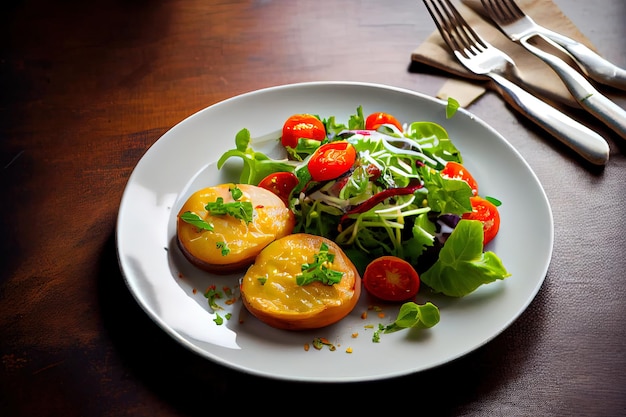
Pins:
<point x="182" y="161"/>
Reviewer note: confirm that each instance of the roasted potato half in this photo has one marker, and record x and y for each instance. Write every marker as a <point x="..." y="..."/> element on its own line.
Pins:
<point x="270" y="291"/>
<point x="233" y="243"/>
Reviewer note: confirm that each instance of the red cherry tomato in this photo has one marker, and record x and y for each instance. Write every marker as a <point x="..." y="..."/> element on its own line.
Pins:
<point x="391" y="279"/>
<point x="331" y="160"/>
<point x="485" y="211"/>
<point x="375" y="120"/>
<point x="456" y="170"/>
<point x="281" y="184"/>
<point x="302" y="126"/>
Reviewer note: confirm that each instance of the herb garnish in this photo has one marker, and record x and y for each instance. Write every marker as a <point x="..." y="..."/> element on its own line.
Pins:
<point x="224" y="247"/>
<point x="238" y="209"/>
<point x="319" y="270"/>
<point x="195" y="220"/>
<point x="212" y="294"/>
<point x="218" y="319"/>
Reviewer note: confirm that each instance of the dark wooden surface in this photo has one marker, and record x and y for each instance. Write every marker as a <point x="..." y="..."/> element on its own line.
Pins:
<point x="87" y="87"/>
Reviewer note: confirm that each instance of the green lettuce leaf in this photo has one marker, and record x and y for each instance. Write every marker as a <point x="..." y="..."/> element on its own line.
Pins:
<point x="446" y="195"/>
<point x="256" y="165"/>
<point x="413" y="315"/>
<point x="462" y="265"/>
<point x="434" y="140"/>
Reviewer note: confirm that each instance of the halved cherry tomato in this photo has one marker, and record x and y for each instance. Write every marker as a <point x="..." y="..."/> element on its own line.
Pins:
<point x="456" y="170"/>
<point x="302" y="126"/>
<point x="391" y="278"/>
<point x="281" y="184"/>
<point x="375" y="120"/>
<point x="331" y="160"/>
<point x="485" y="211"/>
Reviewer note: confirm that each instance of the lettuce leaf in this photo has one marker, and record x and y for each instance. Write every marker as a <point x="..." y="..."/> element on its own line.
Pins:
<point x="256" y="165"/>
<point x="413" y="315"/>
<point x="434" y="139"/>
<point x="462" y="265"/>
<point x="446" y="195"/>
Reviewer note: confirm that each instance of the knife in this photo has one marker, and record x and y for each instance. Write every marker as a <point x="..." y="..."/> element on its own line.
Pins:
<point x="587" y="96"/>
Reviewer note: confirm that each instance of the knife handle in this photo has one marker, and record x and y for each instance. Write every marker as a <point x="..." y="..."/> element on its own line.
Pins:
<point x="591" y="64"/>
<point x="582" y="90"/>
<point x="573" y="134"/>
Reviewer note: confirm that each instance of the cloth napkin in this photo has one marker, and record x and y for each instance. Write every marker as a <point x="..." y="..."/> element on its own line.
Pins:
<point x="535" y="74"/>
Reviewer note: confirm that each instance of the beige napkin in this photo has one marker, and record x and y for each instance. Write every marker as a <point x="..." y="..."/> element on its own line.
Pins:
<point x="535" y="74"/>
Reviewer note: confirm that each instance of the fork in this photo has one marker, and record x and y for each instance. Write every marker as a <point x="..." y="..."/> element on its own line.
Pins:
<point x="506" y="15"/>
<point x="518" y="25"/>
<point x="481" y="58"/>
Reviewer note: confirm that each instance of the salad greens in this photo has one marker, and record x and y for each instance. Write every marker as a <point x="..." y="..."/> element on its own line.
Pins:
<point x="256" y="164"/>
<point x="413" y="315"/>
<point x="451" y="107"/>
<point x="462" y="257"/>
<point x="393" y="201"/>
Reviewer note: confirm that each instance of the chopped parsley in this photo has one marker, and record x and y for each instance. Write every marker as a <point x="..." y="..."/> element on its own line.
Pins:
<point x="236" y="193"/>
<point x="195" y="220"/>
<point x="238" y="209"/>
<point x="319" y="270"/>
<point x="224" y="247"/>
<point x="211" y="295"/>
<point x="376" y="335"/>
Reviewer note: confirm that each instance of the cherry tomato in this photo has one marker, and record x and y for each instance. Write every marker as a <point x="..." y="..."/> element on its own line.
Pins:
<point x="281" y="184"/>
<point x="331" y="160"/>
<point x="391" y="279"/>
<point x="375" y="120"/>
<point x="302" y="126"/>
<point x="485" y="211"/>
<point x="456" y="170"/>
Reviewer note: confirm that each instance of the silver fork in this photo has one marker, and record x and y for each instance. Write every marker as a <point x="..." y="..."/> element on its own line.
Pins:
<point x="482" y="58"/>
<point x="509" y="18"/>
<point x="518" y="25"/>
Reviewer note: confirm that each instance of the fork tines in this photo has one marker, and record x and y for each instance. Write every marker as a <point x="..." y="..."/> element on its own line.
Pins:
<point x="505" y="11"/>
<point x="455" y="32"/>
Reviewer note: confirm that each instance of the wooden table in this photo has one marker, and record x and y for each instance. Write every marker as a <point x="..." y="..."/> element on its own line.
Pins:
<point x="87" y="87"/>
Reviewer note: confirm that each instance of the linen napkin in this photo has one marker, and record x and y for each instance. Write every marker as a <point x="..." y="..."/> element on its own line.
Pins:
<point x="535" y="74"/>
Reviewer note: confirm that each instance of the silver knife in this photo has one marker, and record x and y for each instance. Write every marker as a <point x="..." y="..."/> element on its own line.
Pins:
<point x="582" y="90"/>
<point x="590" y="63"/>
<point x="517" y="25"/>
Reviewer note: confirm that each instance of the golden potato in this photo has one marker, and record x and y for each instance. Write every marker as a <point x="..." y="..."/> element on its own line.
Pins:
<point x="270" y="292"/>
<point x="233" y="243"/>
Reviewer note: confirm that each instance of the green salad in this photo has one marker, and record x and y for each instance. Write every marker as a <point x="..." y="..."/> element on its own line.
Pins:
<point x="382" y="191"/>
